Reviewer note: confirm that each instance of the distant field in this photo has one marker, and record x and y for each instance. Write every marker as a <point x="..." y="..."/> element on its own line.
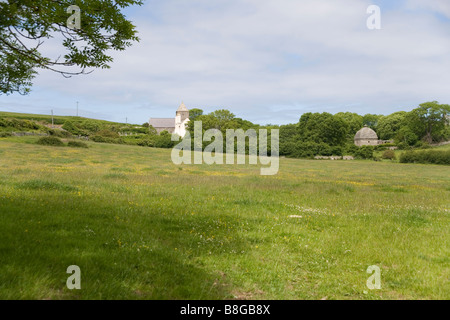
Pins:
<point x="140" y="227"/>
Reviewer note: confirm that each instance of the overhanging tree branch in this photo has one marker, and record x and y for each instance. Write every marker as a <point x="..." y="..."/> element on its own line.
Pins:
<point x="26" y="24"/>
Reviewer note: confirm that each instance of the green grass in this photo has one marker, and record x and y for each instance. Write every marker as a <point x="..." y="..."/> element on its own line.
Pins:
<point x="48" y="118"/>
<point x="140" y="227"/>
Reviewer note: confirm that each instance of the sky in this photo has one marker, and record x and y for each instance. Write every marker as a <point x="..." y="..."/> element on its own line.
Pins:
<point x="267" y="61"/>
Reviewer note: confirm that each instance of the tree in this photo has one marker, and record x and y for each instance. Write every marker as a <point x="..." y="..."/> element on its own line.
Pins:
<point x="353" y="120"/>
<point x="371" y="120"/>
<point x="429" y="120"/>
<point x="288" y="139"/>
<point x="388" y="126"/>
<point x="223" y="118"/>
<point x="26" y="24"/>
<point x="219" y="119"/>
<point x="323" y="127"/>
<point x="194" y="114"/>
<point x="406" y="135"/>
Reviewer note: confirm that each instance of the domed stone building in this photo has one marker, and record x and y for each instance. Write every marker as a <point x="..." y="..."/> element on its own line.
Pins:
<point x="367" y="137"/>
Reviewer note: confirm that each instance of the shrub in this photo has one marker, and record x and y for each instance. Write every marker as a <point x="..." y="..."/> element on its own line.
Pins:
<point x="385" y="146"/>
<point x="164" y="140"/>
<point x="77" y="144"/>
<point x="137" y="130"/>
<point x="102" y="139"/>
<point x="50" y="141"/>
<point x="426" y="156"/>
<point x="403" y="146"/>
<point x="27" y="124"/>
<point x="364" y="152"/>
<point x="90" y="125"/>
<point x="422" y="145"/>
<point x="19" y="125"/>
<point x="107" y="134"/>
<point x="388" y="154"/>
<point x="72" y="128"/>
<point x="351" y="148"/>
<point x="337" y="151"/>
<point x="59" y="133"/>
<point x="146" y="143"/>
<point x="5" y="134"/>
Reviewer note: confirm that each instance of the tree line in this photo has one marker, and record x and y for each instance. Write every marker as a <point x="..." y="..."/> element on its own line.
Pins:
<point x="328" y="134"/>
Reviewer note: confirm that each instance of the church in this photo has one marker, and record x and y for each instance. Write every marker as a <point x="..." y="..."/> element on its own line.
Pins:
<point x="175" y="125"/>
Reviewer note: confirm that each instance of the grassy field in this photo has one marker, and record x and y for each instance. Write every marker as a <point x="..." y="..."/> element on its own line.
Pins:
<point x="140" y="227"/>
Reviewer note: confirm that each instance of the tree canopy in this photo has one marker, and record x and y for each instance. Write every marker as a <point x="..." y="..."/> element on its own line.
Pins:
<point x="25" y="25"/>
<point x="430" y="121"/>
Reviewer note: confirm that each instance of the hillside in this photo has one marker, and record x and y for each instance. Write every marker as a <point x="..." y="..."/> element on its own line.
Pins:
<point x="47" y="119"/>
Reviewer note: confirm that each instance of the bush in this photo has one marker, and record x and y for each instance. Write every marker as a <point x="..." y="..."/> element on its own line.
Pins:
<point x="337" y="151"/>
<point x="19" y="125"/>
<point x="146" y="143"/>
<point x="426" y="156"/>
<point x="385" y="146"/>
<point x="5" y="134"/>
<point x="351" y="149"/>
<point x="388" y="154"/>
<point x="364" y="152"/>
<point x="101" y="139"/>
<point x="164" y="140"/>
<point x="50" y="141"/>
<point x="422" y="145"/>
<point x="403" y="146"/>
<point x="59" y="133"/>
<point x="90" y="126"/>
<point x="72" y="128"/>
<point x="77" y="144"/>
<point x="137" y="130"/>
<point x="107" y="134"/>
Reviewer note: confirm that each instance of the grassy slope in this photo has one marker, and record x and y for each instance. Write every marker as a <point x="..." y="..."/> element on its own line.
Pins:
<point x="140" y="227"/>
<point x="48" y="118"/>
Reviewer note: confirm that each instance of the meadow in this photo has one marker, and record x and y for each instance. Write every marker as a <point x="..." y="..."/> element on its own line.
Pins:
<point x="140" y="227"/>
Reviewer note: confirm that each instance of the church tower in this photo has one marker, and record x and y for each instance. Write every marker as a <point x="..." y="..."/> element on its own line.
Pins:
<point x="183" y="112"/>
<point x="181" y="120"/>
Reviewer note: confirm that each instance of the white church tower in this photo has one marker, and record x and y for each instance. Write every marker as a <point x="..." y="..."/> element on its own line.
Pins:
<point x="181" y="120"/>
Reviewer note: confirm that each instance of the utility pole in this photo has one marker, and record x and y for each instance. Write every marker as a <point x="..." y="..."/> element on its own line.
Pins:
<point x="77" y="108"/>
<point x="52" y="121"/>
<point x="126" y="120"/>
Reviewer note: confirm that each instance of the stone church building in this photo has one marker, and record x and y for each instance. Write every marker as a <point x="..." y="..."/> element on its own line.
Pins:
<point x="175" y="125"/>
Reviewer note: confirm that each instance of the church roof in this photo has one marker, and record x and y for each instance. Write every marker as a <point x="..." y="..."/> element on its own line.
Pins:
<point x="366" y="133"/>
<point x="182" y="107"/>
<point x="162" y="122"/>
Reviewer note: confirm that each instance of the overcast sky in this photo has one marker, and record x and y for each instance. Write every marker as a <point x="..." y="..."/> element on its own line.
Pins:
<point x="268" y="61"/>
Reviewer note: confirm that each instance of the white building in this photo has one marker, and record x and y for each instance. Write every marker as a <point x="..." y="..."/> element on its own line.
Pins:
<point x="175" y="125"/>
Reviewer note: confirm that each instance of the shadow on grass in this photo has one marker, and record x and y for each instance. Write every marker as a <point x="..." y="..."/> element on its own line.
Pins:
<point x="138" y="255"/>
